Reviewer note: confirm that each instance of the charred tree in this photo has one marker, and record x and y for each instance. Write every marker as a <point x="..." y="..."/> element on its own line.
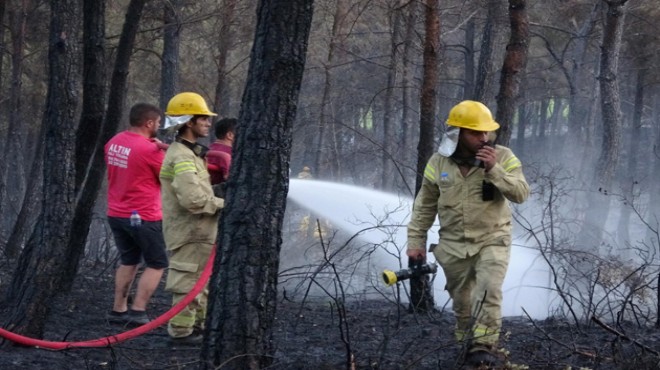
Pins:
<point x="243" y="288"/>
<point x="609" y="90"/>
<point x="420" y="292"/>
<point x="515" y="61"/>
<point x="388" y="136"/>
<point x="12" y="173"/>
<point x="86" y="197"/>
<point x="523" y="121"/>
<point x="597" y="209"/>
<point x="636" y="141"/>
<point x="429" y="90"/>
<point x="653" y="169"/>
<point x="468" y="89"/>
<point x="169" y="66"/>
<point x="3" y="48"/>
<point x="575" y="73"/>
<point x="225" y="37"/>
<point x="327" y="139"/>
<point x="49" y="262"/>
<point x="577" y="78"/>
<point x="485" y="65"/>
<point x="94" y="86"/>
<point x="39" y="274"/>
<point x="407" y="119"/>
<point x="32" y="199"/>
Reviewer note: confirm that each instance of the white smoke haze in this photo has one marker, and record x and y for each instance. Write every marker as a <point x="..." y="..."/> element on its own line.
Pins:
<point x="378" y="220"/>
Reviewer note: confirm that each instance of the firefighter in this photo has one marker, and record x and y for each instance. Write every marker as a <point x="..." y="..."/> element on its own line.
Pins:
<point x="468" y="184"/>
<point x="306" y="173"/>
<point x="190" y="211"/>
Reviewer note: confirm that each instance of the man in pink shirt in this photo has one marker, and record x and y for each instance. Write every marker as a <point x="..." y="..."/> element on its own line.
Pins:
<point x="135" y="213"/>
<point x="225" y="132"/>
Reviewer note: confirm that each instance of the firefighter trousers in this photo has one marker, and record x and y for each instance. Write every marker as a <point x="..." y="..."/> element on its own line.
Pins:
<point x="186" y="265"/>
<point x="475" y="286"/>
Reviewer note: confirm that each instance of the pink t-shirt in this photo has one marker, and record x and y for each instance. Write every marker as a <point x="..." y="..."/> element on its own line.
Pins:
<point x="134" y="163"/>
<point x="223" y="162"/>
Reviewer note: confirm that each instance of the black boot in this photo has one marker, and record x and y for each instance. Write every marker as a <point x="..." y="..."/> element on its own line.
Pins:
<point x="479" y="355"/>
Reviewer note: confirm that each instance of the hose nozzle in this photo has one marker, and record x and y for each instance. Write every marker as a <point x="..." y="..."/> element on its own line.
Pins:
<point x="392" y="277"/>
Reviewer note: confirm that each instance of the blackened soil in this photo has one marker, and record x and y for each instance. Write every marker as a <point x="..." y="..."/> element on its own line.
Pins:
<point x="312" y="335"/>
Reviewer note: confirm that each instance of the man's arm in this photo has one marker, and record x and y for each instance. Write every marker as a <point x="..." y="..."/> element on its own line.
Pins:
<point x="424" y="212"/>
<point x="191" y="193"/>
<point x="155" y="160"/>
<point x="508" y="177"/>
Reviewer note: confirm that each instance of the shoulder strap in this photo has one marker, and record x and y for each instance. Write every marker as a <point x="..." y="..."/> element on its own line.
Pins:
<point x="199" y="149"/>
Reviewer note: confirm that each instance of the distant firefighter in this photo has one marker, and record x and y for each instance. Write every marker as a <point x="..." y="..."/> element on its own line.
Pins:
<point x="306" y="173"/>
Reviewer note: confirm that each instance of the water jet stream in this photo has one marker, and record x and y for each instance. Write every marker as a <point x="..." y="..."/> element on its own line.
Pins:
<point x="380" y="221"/>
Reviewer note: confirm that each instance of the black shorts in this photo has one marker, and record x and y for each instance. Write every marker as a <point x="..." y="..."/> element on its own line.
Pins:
<point x="134" y="243"/>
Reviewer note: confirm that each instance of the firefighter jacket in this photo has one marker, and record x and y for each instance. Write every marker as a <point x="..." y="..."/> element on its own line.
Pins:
<point x="190" y="209"/>
<point x="474" y="210"/>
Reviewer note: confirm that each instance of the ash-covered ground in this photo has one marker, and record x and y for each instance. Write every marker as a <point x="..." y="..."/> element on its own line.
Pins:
<point x="309" y="334"/>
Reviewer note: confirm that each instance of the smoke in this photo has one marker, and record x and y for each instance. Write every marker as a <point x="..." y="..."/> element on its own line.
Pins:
<point x="375" y="223"/>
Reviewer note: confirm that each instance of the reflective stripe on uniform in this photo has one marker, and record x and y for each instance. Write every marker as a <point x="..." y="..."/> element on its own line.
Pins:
<point x="187" y="166"/>
<point x="192" y="316"/>
<point x="429" y="172"/>
<point x="478" y="334"/>
<point x="166" y="173"/>
<point x="485" y="335"/>
<point x="511" y="164"/>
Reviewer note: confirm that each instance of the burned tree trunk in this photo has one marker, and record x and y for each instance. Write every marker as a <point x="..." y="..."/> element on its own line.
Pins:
<point x="169" y="66"/>
<point x="89" y="192"/>
<point x="469" y="88"/>
<point x="3" y="8"/>
<point x="489" y="38"/>
<point x="243" y="289"/>
<point x="636" y="141"/>
<point x="597" y="210"/>
<point x="420" y="292"/>
<point x="429" y="92"/>
<point x="578" y="79"/>
<point x="609" y="90"/>
<point x="221" y="102"/>
<point x="12" y="173"/>
<point x="39" y="274"/>
<point x="389" y="142"/>
<point x="515" y="61"/>
<point x="327" y="153"/>
<point x="94" y="83"/>
<point x="407" y="111"/>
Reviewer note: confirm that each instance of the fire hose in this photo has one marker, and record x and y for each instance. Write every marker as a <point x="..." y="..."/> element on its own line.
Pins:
<point x="121" y="337"/>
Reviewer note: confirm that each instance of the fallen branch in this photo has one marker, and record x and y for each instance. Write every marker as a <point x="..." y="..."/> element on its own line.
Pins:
<point x="623" y="336"/>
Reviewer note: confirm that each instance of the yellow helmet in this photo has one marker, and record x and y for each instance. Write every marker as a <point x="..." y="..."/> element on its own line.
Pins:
<point x="188" y="103"/>
<point x="307" y="169"/>
<point x="472" y="115"/>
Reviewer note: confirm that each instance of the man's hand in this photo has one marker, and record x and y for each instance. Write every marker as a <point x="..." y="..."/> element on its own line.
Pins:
<point x="416" y="254"/>
<point x="487" y="155"/>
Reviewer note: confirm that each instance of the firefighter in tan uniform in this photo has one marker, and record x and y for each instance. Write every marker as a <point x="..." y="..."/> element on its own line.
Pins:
<point x="190" y="211"/>
<point x="469" y="185"/>
<point x="305" y="174"/>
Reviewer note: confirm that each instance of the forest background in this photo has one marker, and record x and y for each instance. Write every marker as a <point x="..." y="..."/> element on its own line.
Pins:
<point x="573" y="83"/>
